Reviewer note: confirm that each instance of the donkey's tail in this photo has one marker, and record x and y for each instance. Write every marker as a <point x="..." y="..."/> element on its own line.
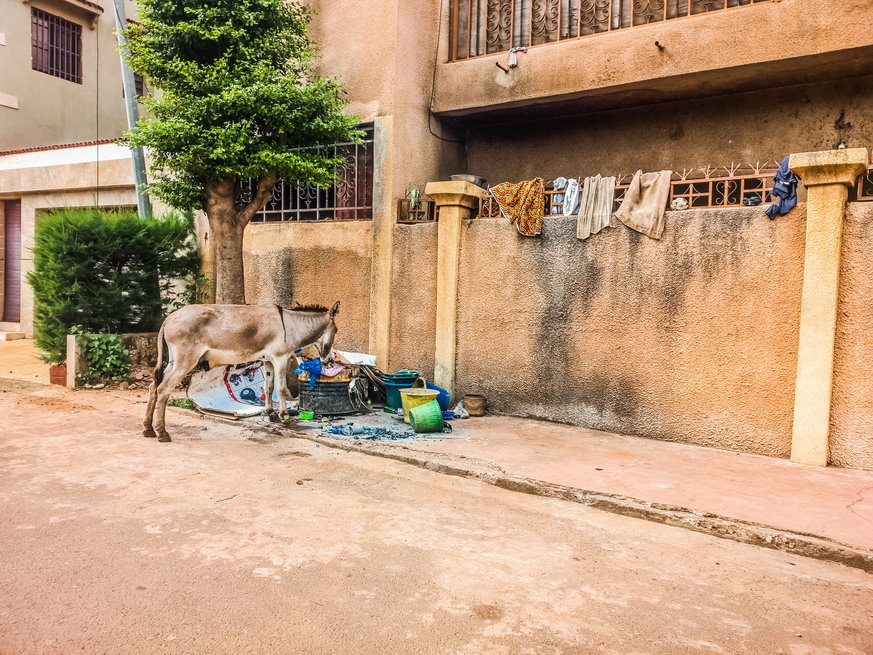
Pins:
<point x="159" y="367"/>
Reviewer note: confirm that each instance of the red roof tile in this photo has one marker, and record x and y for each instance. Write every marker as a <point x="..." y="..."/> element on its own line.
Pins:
<point x="61" y="146"/>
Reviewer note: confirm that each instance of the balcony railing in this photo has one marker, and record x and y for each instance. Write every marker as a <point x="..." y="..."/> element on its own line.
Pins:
<point x="350" y="198"/>
<point x="702" y="188"/>
<point x="423" y="211"/>
<point x="484" y="27"/>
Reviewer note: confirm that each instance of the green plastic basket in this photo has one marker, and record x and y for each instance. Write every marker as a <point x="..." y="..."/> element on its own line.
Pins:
<point x="427" y="417"/>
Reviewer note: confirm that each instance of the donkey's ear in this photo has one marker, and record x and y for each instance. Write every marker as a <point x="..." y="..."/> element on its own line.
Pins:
<point x="335" y="309"/>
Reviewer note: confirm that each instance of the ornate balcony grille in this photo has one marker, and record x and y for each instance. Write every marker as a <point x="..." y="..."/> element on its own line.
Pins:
<point x="702" y="188"/>
<point x="349" y="199"/>
<point x="484" y="27"/>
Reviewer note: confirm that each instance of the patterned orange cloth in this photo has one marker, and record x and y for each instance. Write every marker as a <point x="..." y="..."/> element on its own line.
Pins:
<point x="522" y="203"/>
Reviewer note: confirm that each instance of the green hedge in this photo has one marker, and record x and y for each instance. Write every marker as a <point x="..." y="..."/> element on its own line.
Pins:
<point x="106" y="271"/>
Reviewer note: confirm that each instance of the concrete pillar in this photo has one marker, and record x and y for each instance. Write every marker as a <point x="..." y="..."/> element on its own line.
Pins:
<point x="827" y="177"/>
<point x="382" y="266"/>
<point x="75" y="361"/>
<point x="455" y="202"/>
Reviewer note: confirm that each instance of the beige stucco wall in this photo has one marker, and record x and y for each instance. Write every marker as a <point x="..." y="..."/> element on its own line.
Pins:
<point x="851" y="440"/>
<point x="313" y="263"/>
<point x="52" y="110"/>
<point x="744" y="128"/>
<point x="413" y="316"/>
<point x="691" y="338"/>
<point x="765" y="44"/>
<point x="383" y="53"/>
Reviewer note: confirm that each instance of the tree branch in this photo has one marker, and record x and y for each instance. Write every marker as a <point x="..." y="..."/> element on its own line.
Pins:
<point x="265" y="188"/>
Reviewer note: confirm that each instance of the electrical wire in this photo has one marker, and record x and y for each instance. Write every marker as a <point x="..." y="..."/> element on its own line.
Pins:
<point x="433" y="89"/>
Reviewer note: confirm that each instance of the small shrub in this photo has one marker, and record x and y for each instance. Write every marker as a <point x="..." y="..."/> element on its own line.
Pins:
<point x="108" y="272"/>
<point x="105" y="357"/>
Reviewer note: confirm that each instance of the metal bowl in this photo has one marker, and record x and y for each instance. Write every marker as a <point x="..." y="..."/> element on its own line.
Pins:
<point x="472" y="179"/>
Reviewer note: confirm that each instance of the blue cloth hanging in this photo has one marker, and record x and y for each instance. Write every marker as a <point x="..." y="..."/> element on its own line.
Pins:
<point x="785" y="189"/>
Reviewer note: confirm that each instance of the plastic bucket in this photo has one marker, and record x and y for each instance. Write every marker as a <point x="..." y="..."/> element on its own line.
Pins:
<point x="414" y="397"/>
<point x="394" y="382"/>
<point x="443" y="399"/>
<point x="427" y="417"/>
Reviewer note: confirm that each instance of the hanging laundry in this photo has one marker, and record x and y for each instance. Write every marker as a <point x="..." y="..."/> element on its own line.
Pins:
<point x="595" y="206"/>
<point x="785" y="189"/>
<point x="558" y="184"/>
<point x="522" y="203"/>
<point x="571" y="197"/>
<point x="645" y="203"/>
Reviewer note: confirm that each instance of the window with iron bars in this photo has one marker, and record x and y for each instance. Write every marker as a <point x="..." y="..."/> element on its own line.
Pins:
<point x="350" y="198"/>
<point x="56" y="46"/>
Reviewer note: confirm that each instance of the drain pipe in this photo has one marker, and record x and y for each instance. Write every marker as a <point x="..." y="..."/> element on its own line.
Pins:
<point x="127" y="81"/>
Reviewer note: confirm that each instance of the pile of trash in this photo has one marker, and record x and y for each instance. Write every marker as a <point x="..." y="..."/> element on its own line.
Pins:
<point x="350" y="385"/>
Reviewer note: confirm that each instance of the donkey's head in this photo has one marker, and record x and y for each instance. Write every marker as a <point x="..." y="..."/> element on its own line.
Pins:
<point x="325" y="341"/>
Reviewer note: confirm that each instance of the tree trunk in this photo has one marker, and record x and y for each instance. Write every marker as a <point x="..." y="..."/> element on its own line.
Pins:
<point x="226" y="225"/>
<point x="227" y="240"/>
<point x="229" y="277"/>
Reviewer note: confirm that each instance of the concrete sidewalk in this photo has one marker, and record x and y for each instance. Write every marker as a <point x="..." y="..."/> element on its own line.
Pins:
<point x="20" y="360"/>
<point x="832" y="503"/>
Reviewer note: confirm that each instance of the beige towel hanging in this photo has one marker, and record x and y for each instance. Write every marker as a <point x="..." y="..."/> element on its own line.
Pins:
<point x="645" y="202"/>
<point x="595" y="206"/>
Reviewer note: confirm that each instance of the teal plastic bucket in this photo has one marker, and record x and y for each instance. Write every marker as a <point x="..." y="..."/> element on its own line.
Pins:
<point x="394" y="382"/>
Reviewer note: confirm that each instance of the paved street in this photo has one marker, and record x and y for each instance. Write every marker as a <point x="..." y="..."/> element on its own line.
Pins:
<point x="227" y="541"/>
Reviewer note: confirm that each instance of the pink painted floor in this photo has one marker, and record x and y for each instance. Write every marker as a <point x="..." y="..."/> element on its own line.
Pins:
<point x="830" y="502"/>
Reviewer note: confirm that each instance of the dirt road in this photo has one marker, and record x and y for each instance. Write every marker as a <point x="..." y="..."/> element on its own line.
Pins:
<point x="226" y="541"/>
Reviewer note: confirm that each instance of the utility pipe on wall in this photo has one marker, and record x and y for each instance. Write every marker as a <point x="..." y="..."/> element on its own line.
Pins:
<point x="128" y="83"/>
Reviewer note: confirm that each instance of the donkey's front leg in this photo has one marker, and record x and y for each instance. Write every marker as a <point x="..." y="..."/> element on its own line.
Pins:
<point x="280" y="370"/>
<point x="270" y="379"/>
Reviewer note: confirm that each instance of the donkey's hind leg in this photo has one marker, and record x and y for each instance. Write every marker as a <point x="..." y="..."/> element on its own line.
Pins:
<point x="175" y="371"/>
<point x="148" y="430"/>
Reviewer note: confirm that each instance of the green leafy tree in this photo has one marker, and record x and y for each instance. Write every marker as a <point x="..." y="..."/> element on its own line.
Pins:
<point x="238" y="101"/>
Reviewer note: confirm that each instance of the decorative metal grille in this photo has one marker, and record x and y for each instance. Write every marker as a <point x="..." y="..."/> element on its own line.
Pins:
<point x="702" y="188"/>
<point x="349" y="199"/>
<point x="424" y="212"/>
<point x="56" y="46"/>
<point x="481" y="27"/>
<point x="864" y="188"/>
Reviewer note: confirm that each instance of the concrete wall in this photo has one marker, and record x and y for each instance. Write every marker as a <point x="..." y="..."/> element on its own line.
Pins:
<point x="50" y="110"/>
<point x="313" y="263"/>
<point x="743" y="128"/>
<point x="413" y="317"/>
<point x="691" y="338"/>
<point x="852" y="405"/>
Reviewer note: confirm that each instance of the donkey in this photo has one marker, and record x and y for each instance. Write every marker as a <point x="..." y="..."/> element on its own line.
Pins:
<point x="231" y="334"/>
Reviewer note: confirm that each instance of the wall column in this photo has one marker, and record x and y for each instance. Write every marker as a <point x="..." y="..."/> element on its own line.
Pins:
<point x="827" y="176"/>
<point x="455" y="202"/>
<point x="382" y="266"/>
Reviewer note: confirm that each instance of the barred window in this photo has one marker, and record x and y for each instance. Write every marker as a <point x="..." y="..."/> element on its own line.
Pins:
<point x="56" y="46"/>
<point x="350" y="198"/>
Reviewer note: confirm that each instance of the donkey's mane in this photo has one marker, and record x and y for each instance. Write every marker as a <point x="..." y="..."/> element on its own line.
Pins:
<point x="308" y="308"/>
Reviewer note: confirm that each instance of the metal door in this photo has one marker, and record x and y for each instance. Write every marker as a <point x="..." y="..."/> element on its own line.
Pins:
<point x="12" y="262"/>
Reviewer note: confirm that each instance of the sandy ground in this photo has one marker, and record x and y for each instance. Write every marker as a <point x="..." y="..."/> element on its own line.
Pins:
<point x="226" y="541"/>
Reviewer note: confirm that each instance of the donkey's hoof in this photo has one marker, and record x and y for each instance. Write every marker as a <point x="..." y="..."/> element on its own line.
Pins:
<point x="274" y="417"/>
<point x="149" y="432"/>
<point x="164" y="437"/>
